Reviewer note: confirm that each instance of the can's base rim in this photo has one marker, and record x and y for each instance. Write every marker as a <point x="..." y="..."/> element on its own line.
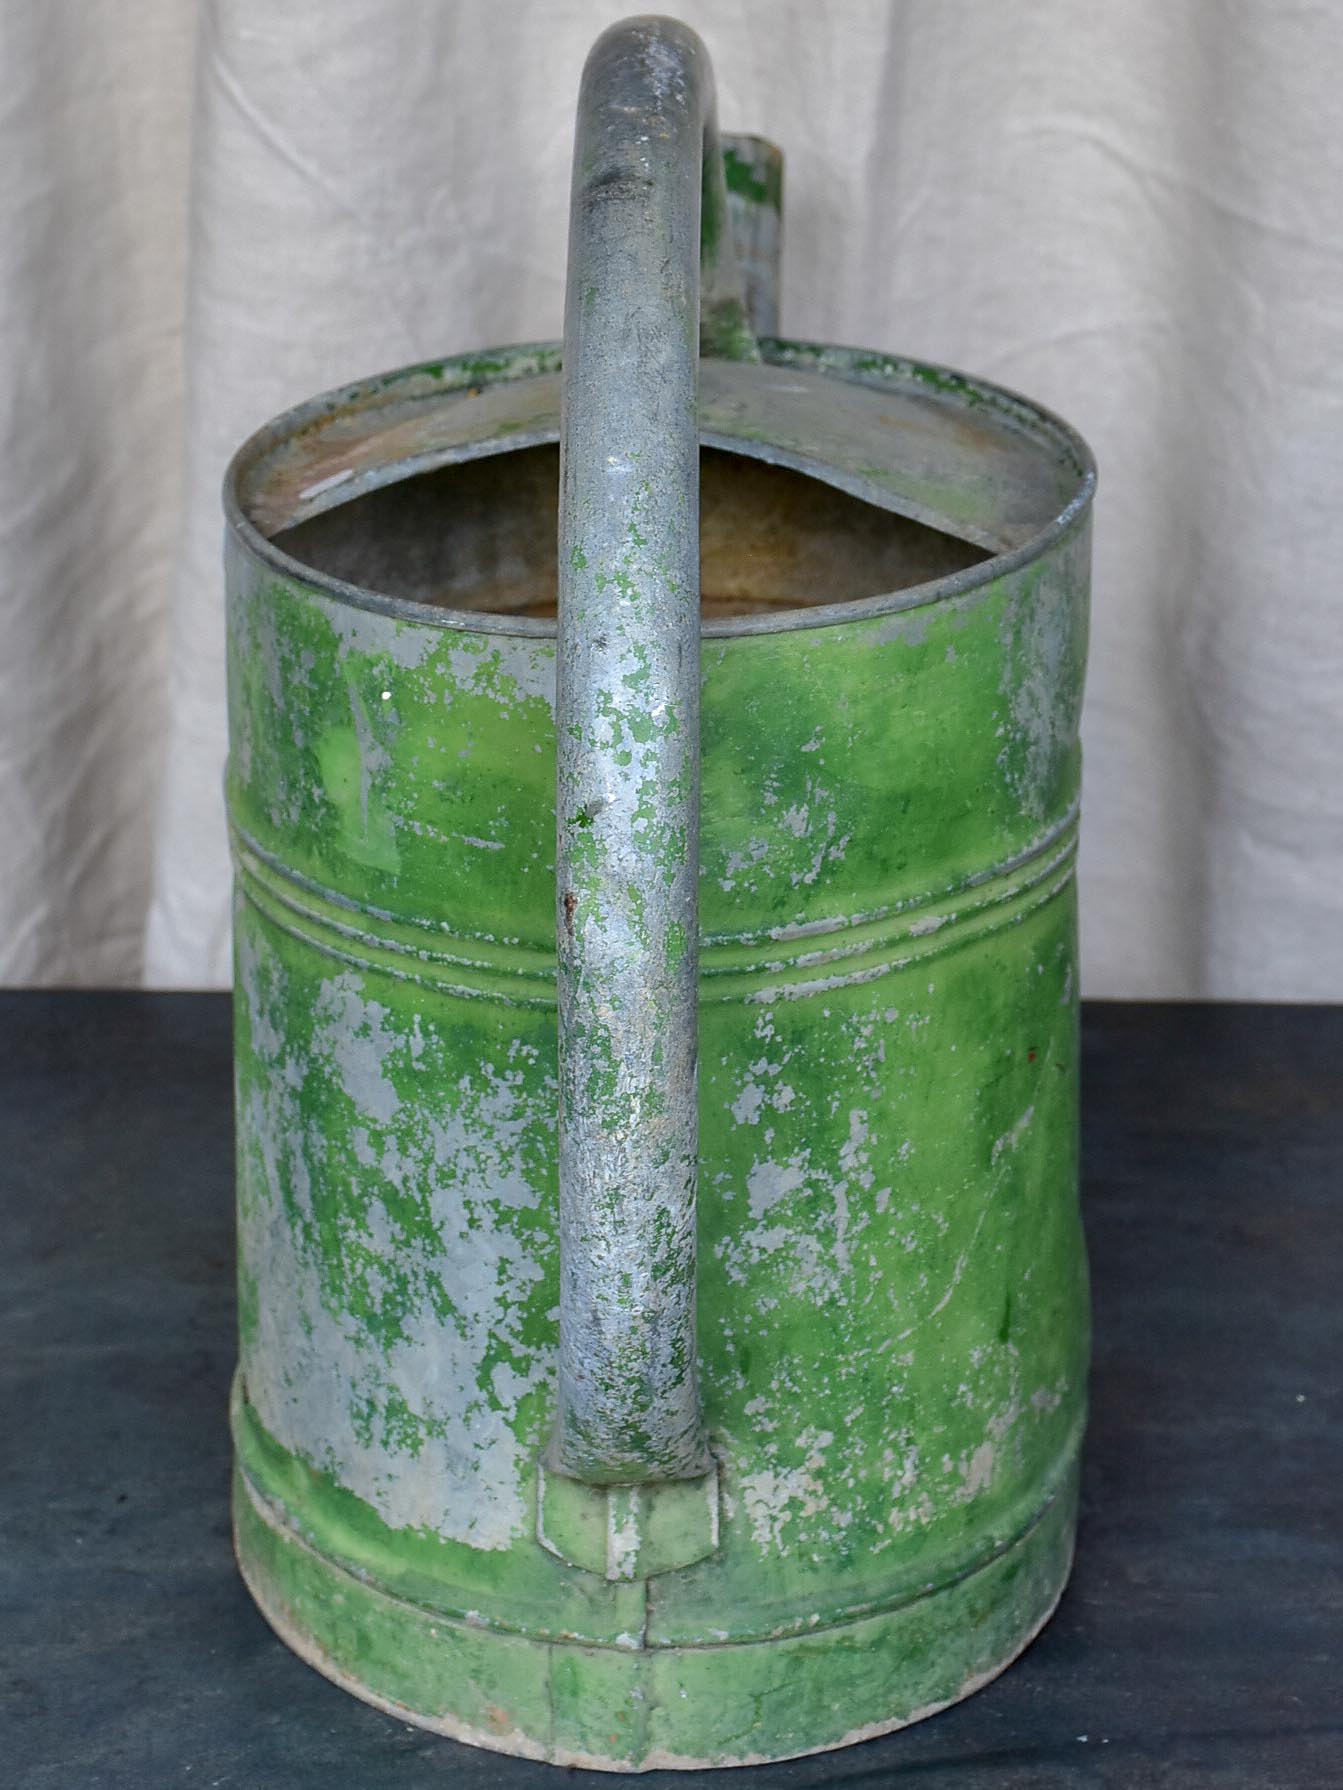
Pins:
<point x="1031" y="1578"/>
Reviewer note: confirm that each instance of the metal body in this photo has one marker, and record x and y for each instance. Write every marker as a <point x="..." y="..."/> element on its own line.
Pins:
<point x="852" y="1499"/>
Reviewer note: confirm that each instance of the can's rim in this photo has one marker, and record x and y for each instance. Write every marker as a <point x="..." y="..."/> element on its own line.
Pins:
<point x="863" y="366"/>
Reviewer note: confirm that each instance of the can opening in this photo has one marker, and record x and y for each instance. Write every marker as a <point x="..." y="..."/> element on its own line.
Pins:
<point x="480" y="535"/>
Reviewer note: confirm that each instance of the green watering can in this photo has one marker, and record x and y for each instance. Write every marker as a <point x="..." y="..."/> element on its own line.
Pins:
<point x="592" y="1406"/>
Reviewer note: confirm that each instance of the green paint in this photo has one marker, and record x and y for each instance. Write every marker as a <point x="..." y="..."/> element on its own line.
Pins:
<point x="759" y="181"/>
<point x="892" y="1287"/>
<point x="622" y="1705"/>
<point x="628" y="1532"/>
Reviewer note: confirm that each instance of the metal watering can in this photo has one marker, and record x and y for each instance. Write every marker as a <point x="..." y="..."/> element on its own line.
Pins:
<point x="583" y="1414"/>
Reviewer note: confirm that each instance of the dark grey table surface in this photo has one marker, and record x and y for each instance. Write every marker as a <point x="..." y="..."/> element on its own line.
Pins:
<point x="1201" y="1640"/>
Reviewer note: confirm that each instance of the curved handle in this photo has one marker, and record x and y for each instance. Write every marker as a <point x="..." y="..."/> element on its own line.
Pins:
<point x="627" y="799"/>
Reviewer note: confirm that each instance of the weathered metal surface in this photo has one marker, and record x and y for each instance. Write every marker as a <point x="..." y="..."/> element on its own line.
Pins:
<point x="891" y="1280"/>
<point x="627" y="739"/>
<point x="754" y="173"/>
<point x="631" y="1531"/>
<point x="955" y="453"/>
<point x="480" y="535"/>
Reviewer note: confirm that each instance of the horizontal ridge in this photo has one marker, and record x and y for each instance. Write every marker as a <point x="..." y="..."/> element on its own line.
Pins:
<point x="790" y="963"/>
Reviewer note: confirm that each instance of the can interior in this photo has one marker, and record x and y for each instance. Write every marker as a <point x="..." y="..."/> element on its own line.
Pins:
<point x="480" y="535"/>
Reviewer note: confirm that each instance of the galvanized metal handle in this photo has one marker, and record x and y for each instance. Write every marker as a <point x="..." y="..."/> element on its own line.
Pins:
<point x="648" y="192"/>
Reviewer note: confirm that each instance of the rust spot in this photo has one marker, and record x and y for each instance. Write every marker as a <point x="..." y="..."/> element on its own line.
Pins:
<point x="1030" y="1056"/>
<point x="497" y="1720"/>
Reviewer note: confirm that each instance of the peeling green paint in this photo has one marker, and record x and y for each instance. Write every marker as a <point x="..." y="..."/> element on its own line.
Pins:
<point x="761" y="183"/>
<point x="892" y="1292"/>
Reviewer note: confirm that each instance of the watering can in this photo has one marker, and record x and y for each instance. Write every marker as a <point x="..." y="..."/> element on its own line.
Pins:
<point x="662" y="1294"/>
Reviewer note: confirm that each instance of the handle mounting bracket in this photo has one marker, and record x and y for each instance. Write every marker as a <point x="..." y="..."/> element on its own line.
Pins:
<point x="628" y="1531"/>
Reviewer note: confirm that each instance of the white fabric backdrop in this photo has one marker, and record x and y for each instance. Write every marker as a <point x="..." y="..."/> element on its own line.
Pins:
<point x="1131" y="212"/>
